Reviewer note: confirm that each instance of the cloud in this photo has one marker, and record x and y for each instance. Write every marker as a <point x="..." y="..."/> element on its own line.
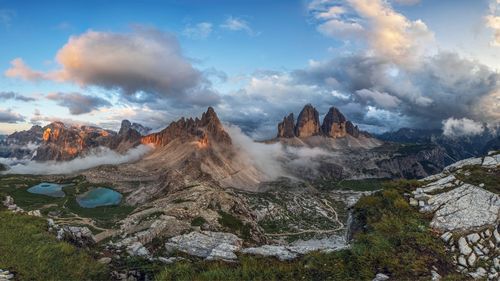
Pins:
<point x="238" y="24"/>
<point x="6" y="17"/>
<point x="8" y="116"/>
<point x="100" y="156"/>
<point x="20" y="69"/>
<point x="144" y="65"/>
<point x="199" y="31"/>
<point x="389" y="34"/>
<point x="493" y="22"/>
<point x="407" y="2"/>
<point x="462" y="127"/>
<point x="383" y="100"/>
<point x="78" y="103"/>
<point x="15" y="96"/>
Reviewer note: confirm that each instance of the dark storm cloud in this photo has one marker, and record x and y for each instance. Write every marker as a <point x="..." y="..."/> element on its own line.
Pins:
<point x="8" y="116"/>
<point x="78" y="103"/>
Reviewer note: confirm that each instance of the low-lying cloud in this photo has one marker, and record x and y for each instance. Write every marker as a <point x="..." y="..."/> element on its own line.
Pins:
<point x="100" y="156"/>
<point x="462" y="127"/>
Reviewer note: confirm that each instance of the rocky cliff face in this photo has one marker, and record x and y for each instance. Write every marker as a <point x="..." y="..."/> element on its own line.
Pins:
<point x="204" y="130"/>
<point x="335" y="125"/>
<point x="308" y="122"/>
<point x="286" y="129"/>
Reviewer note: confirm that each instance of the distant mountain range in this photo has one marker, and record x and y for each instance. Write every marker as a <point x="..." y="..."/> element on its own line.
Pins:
<point x="457" y="148"/>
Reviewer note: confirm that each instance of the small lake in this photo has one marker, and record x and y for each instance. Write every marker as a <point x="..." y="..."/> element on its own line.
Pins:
<point x="100" y="196"/>
<point x="49" y="189"/>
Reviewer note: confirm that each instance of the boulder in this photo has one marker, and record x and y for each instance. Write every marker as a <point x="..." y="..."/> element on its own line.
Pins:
<point x="206" y="244"/>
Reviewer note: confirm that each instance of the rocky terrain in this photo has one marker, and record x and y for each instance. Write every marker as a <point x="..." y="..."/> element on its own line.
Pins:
<point x="466" y="212"/>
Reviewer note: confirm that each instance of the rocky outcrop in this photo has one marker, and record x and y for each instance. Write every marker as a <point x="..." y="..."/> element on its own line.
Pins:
<point x="127" y="125"/>
<point x="80" y="236"/>
<point x="206" y="244"/>
<point x="204" y="130"/>
<point x="466" y="216"/>
<point x="334" y="124"/>
<point x="286" y="129"/>
<point x="308" y="122"/>
<point x="6" y="275"/>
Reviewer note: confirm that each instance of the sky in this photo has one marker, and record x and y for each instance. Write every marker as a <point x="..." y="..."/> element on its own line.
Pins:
<point x="386" y="64"/>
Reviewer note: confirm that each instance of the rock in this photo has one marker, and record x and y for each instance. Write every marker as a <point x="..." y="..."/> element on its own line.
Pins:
<point x="105" y="260"/>
<point x="286" y="129"/>
<point x="413" y="202"/>
<point x="334" y="124"/>
<point x="479" y="273"/>
<point x="496" y="235"/>
<point x="137" y="249"/>
<point x="35" y="213"/>
<point x="206" y="244"/>
<point x="81" y="236"/>
<point x="380" y="277"/>
<point x="464" y="247"/>
<point x="462" y="261"/>
<point x="463" y="208"/>
<point x="170" y="260"/>
<point x="435" y="276"/>
<point x="472" y="259"/>
<point x="351" y="129"/>
<point x="473" y="238"/>
<point x="308" y="122"/>
<point x="446" y="236"/>
<point x="280" y="252"/>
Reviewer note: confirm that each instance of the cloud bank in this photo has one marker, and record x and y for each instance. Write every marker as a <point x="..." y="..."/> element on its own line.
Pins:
<point x="101" y="156"/>
<point x="78" y="103"/>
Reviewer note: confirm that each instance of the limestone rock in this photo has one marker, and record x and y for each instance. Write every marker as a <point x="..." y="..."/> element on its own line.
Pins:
<point x="464" y="208"/>
<point x="280" y="252"/>
<point x="286" y="129"/>
<point x="334" y="124"/>
<point x="206" y="244"/>
<point x="307" y="122"/>
<point x="464" y="247"/>
<point x="380" y="277"/>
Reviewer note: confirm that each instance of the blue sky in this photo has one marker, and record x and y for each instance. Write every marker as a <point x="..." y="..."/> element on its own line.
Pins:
<point x="254" y="61"/>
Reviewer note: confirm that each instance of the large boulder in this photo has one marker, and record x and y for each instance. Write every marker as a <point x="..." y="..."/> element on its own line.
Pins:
<point x="206" y="244"/>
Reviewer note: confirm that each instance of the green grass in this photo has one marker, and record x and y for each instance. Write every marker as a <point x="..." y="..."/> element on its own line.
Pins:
<point x="234" y="224"/>
<point x="490" y="177"/>
<point x="198" y="221"/>
<point x="391" y="238"/>
<point x="28" y="250"/>
<point x="356" y="185"/>
<point x="16" y="186"/>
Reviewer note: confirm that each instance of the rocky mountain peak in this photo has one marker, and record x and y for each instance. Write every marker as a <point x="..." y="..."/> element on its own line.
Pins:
<point x="308" y="122"/>
<point x="204" y="130"/>
<point x="286" y="129"/>
<point x="334" y="124"/>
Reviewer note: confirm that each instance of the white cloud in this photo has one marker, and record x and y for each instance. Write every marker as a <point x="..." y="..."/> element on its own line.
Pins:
<point x="493" y="22"/>
<point x="461" y="127"/>
<point x="381" y="99"/>
<point x="339" y="28"/>
<point x="407" y="2"/>
<point x="238" y="24"/>
<point x="144" y="65"/>
<point x="199" y="31"/>
<point x="100" y="156"/>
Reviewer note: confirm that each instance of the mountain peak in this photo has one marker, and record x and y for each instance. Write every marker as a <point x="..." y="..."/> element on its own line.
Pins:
<point x="308" y="122"/>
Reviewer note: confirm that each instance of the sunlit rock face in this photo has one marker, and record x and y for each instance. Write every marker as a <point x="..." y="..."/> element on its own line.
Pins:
<point x="335" y="125"/>
<point x="203" y="131"/>
<point x="308" y="122"/>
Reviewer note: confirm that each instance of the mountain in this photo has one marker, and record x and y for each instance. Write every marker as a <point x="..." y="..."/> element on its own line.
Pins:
<point x="334" y="125"/>
<point x="457" y="148"/>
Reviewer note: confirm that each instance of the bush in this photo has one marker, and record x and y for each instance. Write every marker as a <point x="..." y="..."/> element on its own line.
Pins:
<point x="198" y="221"/>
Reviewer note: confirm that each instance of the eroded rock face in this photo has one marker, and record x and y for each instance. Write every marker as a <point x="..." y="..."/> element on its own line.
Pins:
<point x="334" y="124"/>
<point x="352" y="130"/>
<point x="308" y="122"/>
<point x="202" y="130"/>
<point x="286" y="129"/>
<point x="206" y="244"/>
